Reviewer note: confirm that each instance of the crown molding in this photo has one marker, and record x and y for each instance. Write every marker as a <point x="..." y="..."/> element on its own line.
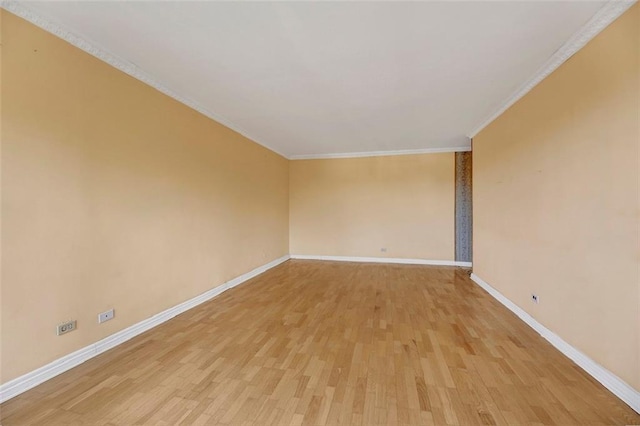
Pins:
<point x="92" y="48"/>
<point x="605" y="16"/>
<point x="83" y="43"/>
<point x="379" y="153"/>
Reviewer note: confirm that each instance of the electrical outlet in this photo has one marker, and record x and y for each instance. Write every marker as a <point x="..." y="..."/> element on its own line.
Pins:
<point x="66" y="327"/>
<point x="383" y="249"/>
<point x="106" y="316"/>
<point x="534" y="298"/>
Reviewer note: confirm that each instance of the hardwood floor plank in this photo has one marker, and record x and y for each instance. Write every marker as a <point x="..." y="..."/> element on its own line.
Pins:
<point x="327" y="343"/>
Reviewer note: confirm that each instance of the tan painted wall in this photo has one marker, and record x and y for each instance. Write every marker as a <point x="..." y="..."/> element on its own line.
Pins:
<point x="1" y="54"/>
<point x="116" y="196"/>
<point x="556" y="200"/>
<point x="356" y="206"/>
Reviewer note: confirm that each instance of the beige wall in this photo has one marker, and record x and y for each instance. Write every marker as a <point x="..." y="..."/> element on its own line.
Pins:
<point x="556" y="200"/>
<point x="116" y="196"/>
<point x="1" y="53"/>
<point x="356" y="206"/>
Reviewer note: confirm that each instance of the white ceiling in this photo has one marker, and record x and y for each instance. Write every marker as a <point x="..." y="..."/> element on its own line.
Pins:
<point x="323" y="78"/>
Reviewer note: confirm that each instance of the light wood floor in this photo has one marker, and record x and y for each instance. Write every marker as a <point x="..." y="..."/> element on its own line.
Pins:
<point x="331" y="343"/>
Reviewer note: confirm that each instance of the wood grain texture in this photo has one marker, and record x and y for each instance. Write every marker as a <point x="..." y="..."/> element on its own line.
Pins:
<point x="327" y="343"/>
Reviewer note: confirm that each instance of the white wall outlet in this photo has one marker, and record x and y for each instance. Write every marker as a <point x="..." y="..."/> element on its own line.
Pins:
<point x="106" y="316"/>
<point x="534" y="298"/>
<point x="66" y="327"/>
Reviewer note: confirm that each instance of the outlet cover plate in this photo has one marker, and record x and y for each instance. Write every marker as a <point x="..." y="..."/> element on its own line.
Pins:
<point x="66" y="327"/>
<point x="106" y="316"/>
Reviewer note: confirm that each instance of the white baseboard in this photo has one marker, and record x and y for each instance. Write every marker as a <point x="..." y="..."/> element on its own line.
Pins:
<point x="25" y="382"/>
<point x="382" y="260"/>
<point x="616" y="385"/>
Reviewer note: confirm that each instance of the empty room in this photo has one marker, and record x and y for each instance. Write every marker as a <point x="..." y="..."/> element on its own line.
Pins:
<point x="320" y="213"/>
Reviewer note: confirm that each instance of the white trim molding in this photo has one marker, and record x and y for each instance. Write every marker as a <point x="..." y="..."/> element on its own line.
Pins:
<point x="25" y="382"/>
<point x="404" y="261"/>
<point x="616" y="385"/>
<point x="611" y="11"/>
<point x="605" y="16"/>
<point x="380" y="153"/>
<point x="92" y="48"/>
